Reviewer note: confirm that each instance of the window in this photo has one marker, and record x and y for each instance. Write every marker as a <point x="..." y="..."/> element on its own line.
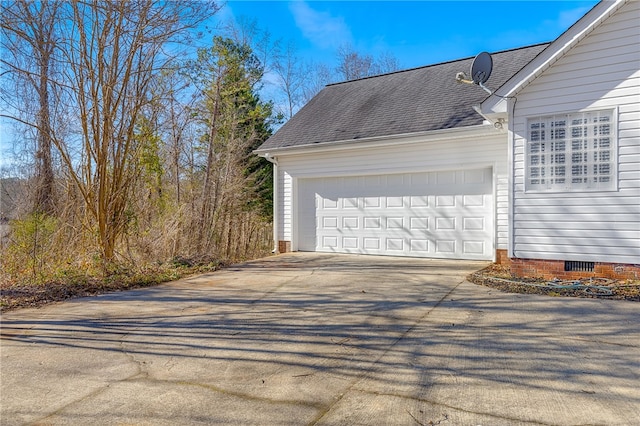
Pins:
<point x="571" y="151"/>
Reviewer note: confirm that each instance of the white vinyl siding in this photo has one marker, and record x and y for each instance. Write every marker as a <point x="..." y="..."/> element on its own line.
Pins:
<point x="487" y="150"/>
<point x="284" y="205"/>
<point x="601" y="73"/>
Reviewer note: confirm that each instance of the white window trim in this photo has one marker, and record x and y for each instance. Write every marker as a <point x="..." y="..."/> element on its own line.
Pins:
<point x="568" y="185"/>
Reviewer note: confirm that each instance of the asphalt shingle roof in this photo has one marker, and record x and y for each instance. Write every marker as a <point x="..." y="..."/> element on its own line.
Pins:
<point x="415" y="100"/>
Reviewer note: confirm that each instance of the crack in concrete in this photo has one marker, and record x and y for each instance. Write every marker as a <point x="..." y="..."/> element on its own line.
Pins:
<point x="69" y="404"/>
<point x="368" y="370"/>
<point x="100" y="389"/>
<point x="140" y="365"/>
<point x="246" y="396"/>
<point x="452" y="407"/>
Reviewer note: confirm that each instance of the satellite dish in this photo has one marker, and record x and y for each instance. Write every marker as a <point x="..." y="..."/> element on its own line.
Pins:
<point x="481" y="68"/>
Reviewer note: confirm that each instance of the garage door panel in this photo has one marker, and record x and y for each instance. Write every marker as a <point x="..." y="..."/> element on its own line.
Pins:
<point x="350" y="222"/>
<point x="445" y="223"/>
<point x="395" y="202"/>
<point x="371" y="243"/>
<point x="350" y="203"/>
<point x="418" y="201"/>
<point x="473" y="248"/>
<point x="446" y="247"/>
<point x="419" y="246"/>
<point x="395" y="244"/>
<point x="473" y="223"/>
<point x="473" y="200"/>
<point x="444" y="201"/>
<point x="418" y="224"/>
<point x="350" y="243"/>
<point x="441" y="214"/>
<point x="371" y="203"/>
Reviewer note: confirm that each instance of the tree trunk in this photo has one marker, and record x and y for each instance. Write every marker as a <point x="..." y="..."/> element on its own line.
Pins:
<point x="206" y="211"/>
<point x="44" y="193"/>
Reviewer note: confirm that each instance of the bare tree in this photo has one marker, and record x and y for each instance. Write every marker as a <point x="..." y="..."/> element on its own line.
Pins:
<point x="386" y="63"/>
<point x="148" y="165"/>
<point x="319" y="76"/>
<point x="353" y="64"/>
<point x="29" y="43"/>
<point x="247" y="32"/>
<point x="113" y="50"/>
<point x="293" y="76"/>
<point x="176" y="119"/>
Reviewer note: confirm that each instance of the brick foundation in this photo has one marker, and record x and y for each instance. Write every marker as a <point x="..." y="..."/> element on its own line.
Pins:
<point x="550" y="269"/>
<point x="502" y="257"/>
<point x="284" y="246"/>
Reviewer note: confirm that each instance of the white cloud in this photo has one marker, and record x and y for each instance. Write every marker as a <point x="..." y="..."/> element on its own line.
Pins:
<point x="225" y="14"/>
<point x="569" y="17"/>
<point x="546" y="31"/>
<point x="322" y="29"/>
<point x="224" y="18"/>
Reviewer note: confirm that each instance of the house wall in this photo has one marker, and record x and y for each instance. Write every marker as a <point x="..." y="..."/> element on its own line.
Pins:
<point x="284" y="207"/>
<point x="483" y="150"/>
<point x="601" y="71"/>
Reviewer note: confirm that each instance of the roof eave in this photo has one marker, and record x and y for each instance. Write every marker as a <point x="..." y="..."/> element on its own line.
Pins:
<point x="378" y="141"/>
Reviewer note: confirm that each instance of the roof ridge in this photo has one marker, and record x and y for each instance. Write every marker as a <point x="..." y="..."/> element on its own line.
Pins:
<point x="433" y="65"/>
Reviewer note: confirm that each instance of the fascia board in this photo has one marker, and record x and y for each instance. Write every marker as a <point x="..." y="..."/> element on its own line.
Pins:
<point x="381" y="141"/>
<point x="497" y="103"/>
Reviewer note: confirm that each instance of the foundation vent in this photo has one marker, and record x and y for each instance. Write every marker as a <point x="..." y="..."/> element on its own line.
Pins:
<point x="577" y="266"/>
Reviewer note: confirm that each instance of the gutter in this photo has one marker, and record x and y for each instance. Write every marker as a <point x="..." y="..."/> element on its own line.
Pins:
<point x="377" y="141"/>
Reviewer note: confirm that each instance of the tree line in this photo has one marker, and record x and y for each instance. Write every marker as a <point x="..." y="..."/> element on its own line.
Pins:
<point x="138" y="144"/>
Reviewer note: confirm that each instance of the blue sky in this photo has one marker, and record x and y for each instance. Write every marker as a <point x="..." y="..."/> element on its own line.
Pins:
<point x="417" y="33"/>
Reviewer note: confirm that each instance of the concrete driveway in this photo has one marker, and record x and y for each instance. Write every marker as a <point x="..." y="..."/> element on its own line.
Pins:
<point x="323" y="339"/>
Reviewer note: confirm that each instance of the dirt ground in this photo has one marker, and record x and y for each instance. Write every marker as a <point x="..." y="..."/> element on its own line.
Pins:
<point x="495" y="276"/>
<point x="24" y="295"/>
<point x="498" y="277"/>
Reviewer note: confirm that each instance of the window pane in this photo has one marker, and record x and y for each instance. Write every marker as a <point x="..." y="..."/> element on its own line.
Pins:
<point x="604" y="169"/>
<point x="577" y="132"/>
<point x="534" y="147"/>
<point x="581" y="144"/>
<point x="604" y="130"/>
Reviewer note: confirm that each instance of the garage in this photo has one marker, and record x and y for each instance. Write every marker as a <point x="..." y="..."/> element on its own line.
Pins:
<point x="443" y="214"/>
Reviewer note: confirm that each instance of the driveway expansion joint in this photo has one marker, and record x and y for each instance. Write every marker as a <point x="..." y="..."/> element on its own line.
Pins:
<point x="265" y="343"/>
<point x="367" y="371"/>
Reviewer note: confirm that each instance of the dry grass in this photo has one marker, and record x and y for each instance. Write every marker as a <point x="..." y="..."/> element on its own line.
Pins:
<point x="21" y="295"/>
<point x="15" y="295"/>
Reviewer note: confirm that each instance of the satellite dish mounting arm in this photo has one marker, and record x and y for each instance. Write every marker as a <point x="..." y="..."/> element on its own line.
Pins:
<point x="480" y="71"/>
<point x="485" y="88"/>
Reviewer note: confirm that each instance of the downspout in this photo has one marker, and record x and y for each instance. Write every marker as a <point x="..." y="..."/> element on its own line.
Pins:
<point x="276" y="185"/>
<point x="511" y="107"/>
<point x="498" y="123"/>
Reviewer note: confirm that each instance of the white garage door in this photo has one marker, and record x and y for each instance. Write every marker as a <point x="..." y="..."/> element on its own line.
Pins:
<point x="436" y="214"/>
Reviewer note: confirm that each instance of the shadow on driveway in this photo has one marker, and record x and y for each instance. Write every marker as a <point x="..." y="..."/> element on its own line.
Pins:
<point x="323" y="339"/>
